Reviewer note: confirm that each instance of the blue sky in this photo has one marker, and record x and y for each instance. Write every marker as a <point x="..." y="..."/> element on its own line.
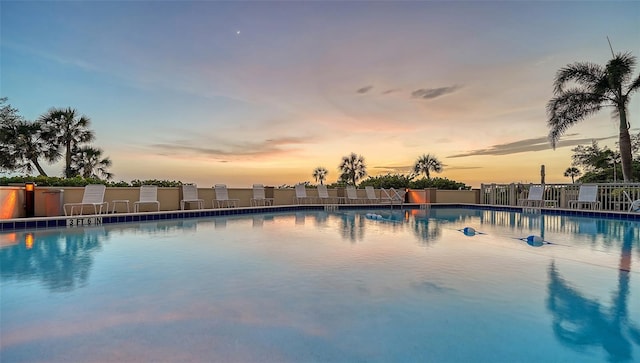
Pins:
<point x="264" y="92"/>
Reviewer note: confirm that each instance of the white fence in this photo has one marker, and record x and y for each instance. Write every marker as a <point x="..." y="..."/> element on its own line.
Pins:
<point x="612" y="196"/>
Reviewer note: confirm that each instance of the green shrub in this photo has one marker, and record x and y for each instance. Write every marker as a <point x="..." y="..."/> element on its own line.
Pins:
<point x="387" y="181"/>
<point x="160" y="183"/>
<point x="438" y="183"/>
<point x="399" y="181"/>
<point x="54" y="181"/>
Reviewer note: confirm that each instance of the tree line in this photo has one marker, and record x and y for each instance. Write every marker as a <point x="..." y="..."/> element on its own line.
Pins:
<point x="60" y="133"/>
<point x="599" y="164"/>
<point x="353" y="169"/>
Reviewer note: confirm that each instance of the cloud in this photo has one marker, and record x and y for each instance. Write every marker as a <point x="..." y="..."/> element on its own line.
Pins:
<point x="431" y="93"/>
<point x="225" y="149"/>
<point x="526" y="145"/>
<point x="463" y="167"/>
<point x="390" y="91"/>
<point x="395" y="169"/>
<point x="364" y="90"/>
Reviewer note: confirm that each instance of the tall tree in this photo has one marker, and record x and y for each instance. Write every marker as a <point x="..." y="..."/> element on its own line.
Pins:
<point x="426" y="164"/>
<point x="320" y="174"/>
<point x="352" y="168"/>
<point x="592" y="157"/>
<point x="88" y="163"/>
<point x="66" y="130"/>
<point x="21" y="144"/>
<point x="582" y="89"/>
<point x="635" y="146"/>
<point x="9" y="119"/>
<point x="30" y="147"/>
<point x="572" y="172"/>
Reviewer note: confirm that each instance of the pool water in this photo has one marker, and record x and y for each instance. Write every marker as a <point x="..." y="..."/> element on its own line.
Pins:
<point x="343" y="286"/>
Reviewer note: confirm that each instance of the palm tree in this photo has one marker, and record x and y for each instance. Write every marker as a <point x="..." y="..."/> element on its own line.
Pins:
<point x="66" y="130"/>
<point x="426" y="164"/>
<point x="320" y="174"/>
<point x="32" y="147"/>
<point x="572" y="172"/>
<point x="21" y="144"/>
<point x="594" y="87"/>
<point x="352" y="168"/>
<point x="88" y="163"/>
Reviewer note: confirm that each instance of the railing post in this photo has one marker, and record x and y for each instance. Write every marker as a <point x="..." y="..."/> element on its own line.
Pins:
<point x="512" y="194"/>
<point x="492" y="196"/>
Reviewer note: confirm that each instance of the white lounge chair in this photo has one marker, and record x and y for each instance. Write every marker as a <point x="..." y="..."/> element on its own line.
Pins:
<point x="301" y="194"/>
<point x="93" y="196"/>
<point x="371" y="194"/>
<point x="323" y="194"/>
<point x="587" y="197"/>
<point x="392" y="196"/>
<point x="535" y="198"/>
<point x="634" y="205"/>
<point x="190" y="195"/>
<point x="148" y="195"/>
<point x="222" y="197"/>
<point x="324" y="197"/>
<point x="352" y="195"/>
<point x="259" y="196"/>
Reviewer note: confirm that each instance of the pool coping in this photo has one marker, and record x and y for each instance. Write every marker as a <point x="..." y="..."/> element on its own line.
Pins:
<point x="21" y="224"/>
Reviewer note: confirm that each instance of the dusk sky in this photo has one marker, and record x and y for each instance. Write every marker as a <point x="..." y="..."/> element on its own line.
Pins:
<point x="264" y="92"/>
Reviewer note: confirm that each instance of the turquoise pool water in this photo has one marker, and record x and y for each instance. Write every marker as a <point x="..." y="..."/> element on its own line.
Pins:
<point x="343" y="286"/>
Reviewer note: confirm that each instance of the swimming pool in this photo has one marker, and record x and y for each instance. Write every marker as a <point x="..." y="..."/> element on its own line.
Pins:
<point x="341" y="286"/>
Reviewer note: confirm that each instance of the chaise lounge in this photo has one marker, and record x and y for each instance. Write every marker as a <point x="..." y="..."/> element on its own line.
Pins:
<point x="93" y="196"/>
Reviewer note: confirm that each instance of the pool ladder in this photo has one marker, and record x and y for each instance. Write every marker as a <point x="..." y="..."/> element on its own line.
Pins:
<point x="330" y="207"/>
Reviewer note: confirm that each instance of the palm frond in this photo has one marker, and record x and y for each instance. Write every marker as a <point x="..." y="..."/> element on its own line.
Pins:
<point x="633" y="86"/>
<point x="620" y="69"/>
<point x="583" y="73"/>
<point x="567" y="109"/>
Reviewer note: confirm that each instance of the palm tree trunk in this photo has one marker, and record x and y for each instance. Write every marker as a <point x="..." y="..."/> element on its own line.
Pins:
<point x="38" y="167"/>
<point x="67" y="168"/>
<point x="625" y="146"/>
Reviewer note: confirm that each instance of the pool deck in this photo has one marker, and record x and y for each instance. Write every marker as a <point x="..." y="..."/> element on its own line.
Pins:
<point x="22" y="224"/>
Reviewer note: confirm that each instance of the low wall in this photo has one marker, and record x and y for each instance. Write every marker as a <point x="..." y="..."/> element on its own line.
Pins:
<point x="432" y="195"/>
<point x="11" y="202"/>
<point x="49" y="200"/>
<point x="458" y="196"/>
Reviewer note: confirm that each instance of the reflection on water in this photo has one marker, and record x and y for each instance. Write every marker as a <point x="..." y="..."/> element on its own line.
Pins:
<point x="61" y="260"/>
<point x="352" y="225"/>
<point x="579" y="321"/>
<point x="427" y="230"/>
<point x="590" y="228"/>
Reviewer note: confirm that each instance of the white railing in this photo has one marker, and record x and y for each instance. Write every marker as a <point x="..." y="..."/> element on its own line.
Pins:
<point x="612" y="196"/>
